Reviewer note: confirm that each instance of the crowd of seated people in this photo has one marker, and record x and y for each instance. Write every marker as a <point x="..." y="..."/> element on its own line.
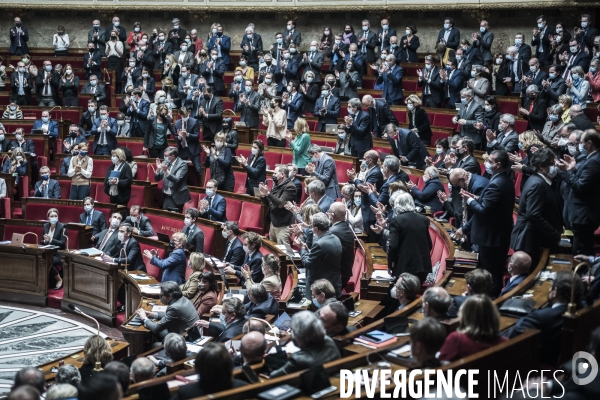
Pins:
<point x="549" y="166"/>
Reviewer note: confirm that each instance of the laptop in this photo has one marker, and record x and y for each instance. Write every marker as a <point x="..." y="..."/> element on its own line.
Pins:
<point x="327" y="149"/>
<point x="163" y="237"/>
<point x="36" y="132"/>
<point x="17" y="239"/>
<point x="331" y="128"/>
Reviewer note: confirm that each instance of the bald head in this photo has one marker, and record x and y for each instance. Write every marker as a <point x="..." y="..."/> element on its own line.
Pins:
<point x="367" y="100"/>
<point x="373" y="155"/>
<point x="458" y="177"/>
<point x="338" y="210"/>
<point x="436" y="301"/>
<point x="521" y="263"/>
<point x="142" y="369"/>
<point x="253" y="325"/>
<point x="253" y="347"/>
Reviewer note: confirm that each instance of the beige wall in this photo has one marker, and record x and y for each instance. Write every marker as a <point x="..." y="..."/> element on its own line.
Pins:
<point x="504" y="23"/>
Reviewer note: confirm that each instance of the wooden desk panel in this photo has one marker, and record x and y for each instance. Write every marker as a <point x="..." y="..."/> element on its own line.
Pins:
<point x="24" y="274"/>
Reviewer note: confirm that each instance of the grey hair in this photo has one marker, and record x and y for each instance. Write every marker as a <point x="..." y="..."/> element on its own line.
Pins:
<point x="512" y="49"/>
<point x="355" y="102"/>
<point x="128" y="227"/>
<point x="314" y="148"/>
<point x="259" y="291"/>
<point x="555" y="109"/>
<point x="317" y="187"/>
<point x="432" y="172"/>
<point x="467" y="91"/>
<point x="234" y="305"/>
<point x="404" y="203"/>
<point x="307" y="329"/>
<point x="392" y="57"/>
<point x="175" y="346"/>
<point x="171" y="288"/>
<point x="142" y="369"/>
<point x="532" y="88"/>
<point x="438" y="298"/>
<point x="348" y="189"/>
<point x="508" y="118"/>
<point x="320" y="221"/>
<point x="68" y="373"/>
<point x="61" y="391"/>
<point x="478" y="68"/>
<point x="392" y="163"/>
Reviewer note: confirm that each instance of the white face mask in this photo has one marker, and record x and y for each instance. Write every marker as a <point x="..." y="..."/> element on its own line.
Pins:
<point x="114" y="222"/>
<point x="218" y="144"/>
<point x="254" y="151"/>
<point x="187" y="221"/>
<point x="121" y="236"/>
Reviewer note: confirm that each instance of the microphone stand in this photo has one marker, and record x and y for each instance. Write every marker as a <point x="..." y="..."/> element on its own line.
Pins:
<point x="120" y="252"/>
<point x="61" y="115"/>
<point x="149" y="165"/>
<point x="66" y="237"/>
<point x="30" y="233"/>
<point x="78" y="311"/>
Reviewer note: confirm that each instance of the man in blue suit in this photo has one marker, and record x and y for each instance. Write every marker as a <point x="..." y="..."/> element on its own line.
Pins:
<point x="105" y="133"/>
<point x="138" y="112"/>
<point x="358" y="125"/>
<point x="460" y="178"/>
<point x="46" y="188"/>
<point x="234" y="249"/>
<point x="287" y="69"/>
<point x="213" y="205"/>
<point x="253" y="259"/>
<point x="323" y="168"/>
<point x="47" y="126"/>
<point x="549" y="320"/>
<point x="391" y="173"/>
<point x="407" y="146"/>
<point x="374" y="177"/>
<point x="354" y="57"/>
<point x="450" y="36"/>
<point x="327" y="108"/>
<point x="293" y="102"/>
<point x="220" y="42"/>
<point x="316" y="191"/>
<point x="518" y="268"/>
<point x="173" y="266"/>
<point x="91" y="217"/>
<point x="491" y="222"/>
<point x="453" y="80"/>
<point x="390" y="75"/>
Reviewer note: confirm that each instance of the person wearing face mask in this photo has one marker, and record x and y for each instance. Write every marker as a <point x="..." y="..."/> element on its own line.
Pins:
<point x="173" y="266"/>
<point x="268" y="67"/>
<point x="248" y="105"/>
<point x="145" y="83"/>
<point x="105" y="133"/>
<point x="586" y="33"/>
<point x="60" y="42"/>
<point x="312" y="61"/>
<point x="144" y="56"/>
<point x="593" y="77"/>
<point x="251" y="46"/>
<point x="5" y="144"/>
<point x="541" y="40"/>
<point x="26" y="145"/>
<point x="176" y="35"/>
<point x="232" y="319"/>
<point x="114" y="52"/>
<point x="21" y="83"/>
<point x="109" y="236"/>
<point x="491" y="220"/>
<point x="428" y="195"/>
<point x="336" y="53"/>
<point x="220" y="43"/>
<point x="310" y="91"/>
<point x="118" y="179"/>
<point x="255" y="166"/>
<point x="140" y="223"/>
<point x="54" y="235"/>
<point x="207" y="292"/>
<point x="46" y="86"/>
<point x="283" y="191"/>
<point x="218" y="159"/>
<point x="185" y="86"/>
<point x="187" y="137"/>
<point x="323" y="168"/>
<point x="554" y="86"/>
<point x="406" y="49"/>
<point x="123" y="126"/>
<point x="92" y="61"/>
<point x="327" y="108"/>
<point x="19" y="36"/>
<point x="453" y="80"/>
<point x="553" y="126"/>
<point x="195" y="283"/>
<point x="470" y="114"/>
<point x="390" y="75"/>
<point x="234" y="249"/>
<point x="96" y="219"/>
<point x="97" y="36"/>
<point x="46" y="188"/>
<point x="342" y="146"/>
<point x="12" y="111"/>
<point x="86" y="121"/>
<point x="500" y="72"/>
<point x="192" y="232"/>
<point x="578" y="87"/>
<point x="116" y="26"/>
<point x="534" y="109"/>
<point x="505" y="138"/>
<point x="213" y="70"/>
<point x="231" y="138"/>
<point x="577" y="57"/>
<point x="251" y="263"/>
<point x="292" y="102"/>
<point x="96" y="89"/>
<point x="161" y="48"/>
<point x="380" y="113"/>
<point x="454" y="205"/>
<point x="384" y="34"/>
<point x="173" y="172"/>
<point x="430" y="81"/>
<point x="270" y="283"/>
<point x="482" y="40"/>
<point x="327" y="39"/>
<point x="450" y="36"/>
<point x="538" y="198"/>
<point x="69" y="85"/>
<point x="130" y="75"/>
<point x="135" y="36"/>
<point x="155" y="140"/>
<point x="184" y="57"/>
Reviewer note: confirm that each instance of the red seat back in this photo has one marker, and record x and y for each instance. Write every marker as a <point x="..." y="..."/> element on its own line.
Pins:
<point x="240" y="182"/>
<point x="193" y="202"/>
<point x="400" y="116"/>
<point x="288" y="286"/>
<point x="249" y="219"/>
<point x="22" y="229"/>
<point x="272" y="159"/>
<point x="39" y="211"/>
<point x="287" y="158"/>
<point x="233" y="210"/>
<point x="209" y="234"/>
<point x="100" y="168"/>
<point x="357" y="269"/>
<point x="153" y="271"/>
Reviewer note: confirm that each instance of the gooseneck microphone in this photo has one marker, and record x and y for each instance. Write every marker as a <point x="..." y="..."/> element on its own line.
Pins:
<point x="78" y="311"/>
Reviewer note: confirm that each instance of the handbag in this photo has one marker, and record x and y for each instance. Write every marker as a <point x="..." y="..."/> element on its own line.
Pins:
<point x="276" y="360"/>
<point x="517" y="307"/>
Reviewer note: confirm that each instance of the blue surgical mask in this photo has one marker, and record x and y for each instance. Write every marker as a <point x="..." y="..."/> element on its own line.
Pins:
<point x="581" y="148"/>
<point x="45" y="119"/>
<point x="342" y="136"/>
<point x="463" y="100"/>
<point x="520" y="146"/>
<point x="53" y="220"/>
<point x="45" y="177"/>
<point x="88" y="208"/>
<point x="91" y="109"/>
<point x="357" y="201"/>
<point x="222" y="319"/>
<point x="553" y="76"/>
<point x="104" y="117"/>
<point x="473" y="74"/>
<point x="410" y="106"/>
<point x="316" y="303"/>
<point x="488" y="168"/>
<point x="481" y="29"/>
<point x="458" y="58"/>
<point x="448" y="68"/>
<point x="210" y="192"/>
<point x="553" y="117"/>
<point x="248" y="89"/>
<point x="593" y="70"/>
<point x="184" y="74"/>
<point x="93" y="83"/>
<point x="552" y="171"/>
<point x="48" y="68"/>
<point x="427" y="67"/>
<point x="114" y="159"/>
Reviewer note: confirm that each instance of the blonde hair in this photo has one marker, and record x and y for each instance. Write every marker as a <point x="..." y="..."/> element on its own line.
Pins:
<point x="197" y="262"/>
<point x="83" y="145"/>
<point x="479" y="318"/>
<point x="301" y="126"/>
<point x="180" y="236"/>
<point x="413" y="98"/>
<point x="398" y="185"/>
<point x="221" y="135"/>
<point x="529" y="138"/>
<point x="96" y="349"/>
<point x="308" y="211"/>
<point x="119" y="153"/>
<point x="50" y="211"/>
<point x="171" y="59"/>
<point x="158" y="95"/>
<point x="566" y="100"/>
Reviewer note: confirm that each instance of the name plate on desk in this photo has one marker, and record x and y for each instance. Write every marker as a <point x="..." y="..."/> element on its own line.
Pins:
<point x="91" y="252"/>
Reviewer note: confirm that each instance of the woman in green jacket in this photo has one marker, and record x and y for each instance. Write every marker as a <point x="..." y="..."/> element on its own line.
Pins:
<point x="300" y="144"/>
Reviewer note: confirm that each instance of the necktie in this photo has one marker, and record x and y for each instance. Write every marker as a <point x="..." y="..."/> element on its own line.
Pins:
<point x="531" y="105"/>
<point x="93" y="89"/>
<point x="47" y="88"/>
<point x="46" y="191"/>
<point x="228" y="248"/>
<point x="105" y="239"/>
<point x="88" y="221"/>
<point x="119" y="134"/>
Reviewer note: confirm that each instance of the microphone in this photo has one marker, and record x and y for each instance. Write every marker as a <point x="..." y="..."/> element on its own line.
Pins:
<point x="78" y="311"/>
<point x="66" y="237"/>
<point x="29" y="233"/>
<point x="123" y="251"/>
<point x="149" y="165"/>
<point x="61" y="116"/>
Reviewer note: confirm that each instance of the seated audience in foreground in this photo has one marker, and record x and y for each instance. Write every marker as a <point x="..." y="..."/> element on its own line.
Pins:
<point x="406" y="289"/>
<point x="271" y="281"/>
<point x="323" y="293"/>
<point x="140" y="223"/>
<point x="334" y="317"/>
<point x="436" y="301"/>
<point x="478" y="329"/>
<point x="175" y="350"/>
<point x="196" y="264"/>
<point x="426" y="338"/>
<point x="261" y="302"/>
<point x="120" y="371"/>
<point x="232" y="313"/>
<point x="31" y="377"/>
<point x="479" y="281"/>
<point x="518" y="268"/>
<point x="96" y="349"/>
<point x="61" y="391"/>
<point x="68" y="373"/>
<point x="102" y="385"/>
<point x="253" y="347"/>
<point x="173" y="266"/>
<point x="207" y="294"/>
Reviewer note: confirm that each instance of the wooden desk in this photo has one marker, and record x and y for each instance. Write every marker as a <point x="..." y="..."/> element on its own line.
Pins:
<point x="24" y="274"/>
<point x="370" y="311"/>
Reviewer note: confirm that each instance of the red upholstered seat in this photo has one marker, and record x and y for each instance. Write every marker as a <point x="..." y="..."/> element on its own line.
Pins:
<point x="135" y="147"/>
<point x="420" y="183"/>
<point x="151" y="269"/>
<point x="358" y="267"/>
<point x="414" y="179"/>
<point x="167" y="224"/>
<point x="65" y="188"/>
<point x="508" y="107"/>
<point x="312" y="125"/>
<point x="411" y="86"/>
<point x="209" y="234"/>
<point x="341" y="168"/>
<point x="193" y="202"/>
<point x="5" y="208"/>
<point x="442" y="120"/>
<point x="249" y="219"/>
<point x="287" y="158"/>
<point x="400" y="115"/>
<point x="439" y="252"/>
<point x="100" y="168"/>
<point x="519" y="178"/>
<point x="324" y="143"/>
<point x="272" y="159"/>
<point x="263" y="138"/>
<point x="411" y="70"/>
<point x="233" y="210"/>
<point x="228" y="105"/>
<point x="29" y="239"/>
<point x="97" y="190"/>
<point x="240" y="182"/>
<point x="242" y="152"/>
<point x="39" y="211"/>
<point x="137" y="195"/>
<point x="107" y="212"/>
<point x="520" y="126"/>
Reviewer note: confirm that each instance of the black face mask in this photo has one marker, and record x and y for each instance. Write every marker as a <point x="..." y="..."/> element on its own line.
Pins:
<point x="225" y="128"/>
<point x="113" y="38"/>
<point x="207" y="96"/>
<point x="172" y="244"/>
<point x="91" y="49"/>
<point x="73" y="134"/>
<point x="275" y="179"/>
<point x="18" y="24"/>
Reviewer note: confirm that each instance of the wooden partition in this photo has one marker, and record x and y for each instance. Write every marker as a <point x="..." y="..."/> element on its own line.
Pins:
<point x="577" y="329"/>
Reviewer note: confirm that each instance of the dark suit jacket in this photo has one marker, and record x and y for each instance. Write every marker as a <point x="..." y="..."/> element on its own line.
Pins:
<point x="474" y="56"/>
<point x="484" y="44"/>
<point x="410" y="146"/>
<point x="193" y="128"/>
<point x="99" y="41"/>
<point x="194" y="390"/>
<point x="374" y="177"/>
<point x="261" y="310"/>
<point x="537" y="116"/>
<point x="290" y="72"/>
<point x="454" y="206"/>
<point x="491" y="220"/>
<point x="177" y="178"/>
<point x="54" y="83"/>
<point x="218" y="70"/>
<point x="345" y="234"/>
<point x="216" y="211"/>
<point x="454" y="85"/>
<point x="214" y="117"/>
<point x="331" y="113"/>
<point x="505" y="141"/>
<point x="195" y="239"/>
<point x="52" y="127"/>
<point x="159" y="55"/>
<point x="472" y="112"/>
<point x="392" y="80"/>
<point x="94" y="69"/>
<point x="582" y="59"/>
<point x="464" y="66"/>
<point x="176" y="41"/>
<point x="409" y="244"/>
<point x="249" y="113"/>
<point x="549" y="321"/>
<point x="469" y="164"/>
<point x="86" y="121"/>
<point x="24" y="38"/>
<point x="100" y="94"/>
<point x="58" y="239"/>
<point x="326" y="172"/>
<point x="133" y="255"/>
<point x="453" y="38"/>
<point x="256" y="173"/>
<point x="150" y="87"/>
<point x="313" y="65"/>
<point x="122" y="33"/>
<point x="583" y="198"/>
<point x="525" y="53"/>
<point x="556" y="88"/>
<point x="293" y="108"/>
<point x="110" y="133"/>
<point x="324" y="203"/>
<point x="139" y="117"/>
<point x="361" y="140"/>
<point x="123" y="184"/>
<point x="323" y="261"/>
<point x="235" y="254"/>
<point x="428" y="196"/>
<point x="180" y="315"/>
<point x="98" y="221"/>
<point x="384" y="40"/>
<point x="99" y="237"/>
<point x="225" y="47"/>
<point x="254" y="261"/>
<point x="582" y="122"/>
<point x="27" y="146"/>
<point x="150" y="136"/>
<point x="540" y="76"/>
<point x="420" y="120"/>
<point x="381" y="116"/>
<point x="513" y="284"/>
<point x="53" y="189"/>
<point x="27" y="85"/>
<point x="222" y="334"/>
<point x="436" y="86"/>
<point x="545" y="42"/>
<point x="253" y="48"/>
<point x="144" y="226"/>
<point x="384" y="193"/>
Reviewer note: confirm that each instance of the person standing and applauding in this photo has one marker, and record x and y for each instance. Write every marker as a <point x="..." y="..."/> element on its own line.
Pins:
<point x="118" y="180"/>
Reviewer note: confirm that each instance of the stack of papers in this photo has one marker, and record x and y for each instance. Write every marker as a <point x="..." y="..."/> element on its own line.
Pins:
<point x="149" y="289"/>
<point x="159" y="309"/>
<point x="92" y="252"/>
<point x="289" y="348"/>
<point x="381" y="275"/>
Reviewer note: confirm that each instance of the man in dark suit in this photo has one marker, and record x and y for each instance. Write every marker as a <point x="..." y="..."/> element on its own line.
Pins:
<point x="523" y="49"/>
<point x="46" y="125"/>
<point x="586" y="34"/>
<point x="327" y="108"/>
<point x="185" y="86"/>
<point x="336" y="53"/>
<point x="323" y="259"/>
<point x="91" y="217"/>
<point x="579" y="119"/>
<point x="583" y="213"/>
<point x="86" y="121"/>
<point x="463" y="66"/>
<point x="210" y="114"/>
<point x="4" y="142"/>
<point x="534" y="109"/>
<point x="431" y="82"/>
<point x="506" y="138"/>
<point x="541" y="40"/>
<point x="268" y="68"/>
<point x="213" y="205"/>
<point x="261" y="303"/>
<point x="106" y="239"/>
<point x="188" y="139"/>
<point x="518" y="268"/>
<point x="234" y="249"/>
<point x="450" y="36"/>
<point x="26" y="144"/>
<point x="358" y="124"/>
<point x="549" y="320"/>
<point x="161" y="48"/>
<point x="390" y="74"/>
<point x="472" y="53"/>
<point x="293" y="103"/>
<point x="19" y="36"/>
<point x="46" y="85"/>
<point x="96" y="89"/>
<point x="213" y="70"/>
<point x="465" y="158"/>
<point x="312" y="61"/>
<point x="138" y="112"/>
<point x="461" y="179"/>
<point x="232" y="318"/>
<point x="46" y="188"/>
<point x="483" y="41"/>
<point x="92" y="62"/>
<point x="453" y="81"/>
<point x="407" y="146"/>
<point x="249" y="105"/>
<point x="173" y="171"/>
<point x="179" y="316"/>
<point x="292" y="35"/>
<point x="344" y="232"/>
<point x="491" y="220"/>
<point x="479" y="281"/>
<point x="316" y="191"/>
<point x="221" y="44"/>
<point x="518" y="66"/>
<point x="577" y="58"/>
<point x="374" y="177"/>
<point x="140" y="223"/>
<point x="384" y="34"/>
<point x="116" y="26"/>
<point x="470" y="114"/>
<point x="21" y="83"/>
<point x="97" y="36"/>
<point x="105" y="133"/>
<point x="277" y="48"/>
<point x="539" y="221"/>
<point x="194" y="235"/>
<point x="286" y="70"/>
<point x="251" y="45"/>
<point x="391" y="173"/>
<point x="355" y="57"/>
<point x="534" y="76"/>
<point x="253" y="259"/>
<point x="126" y="246"/>
<point x="176" y="35"/>
<point x="325" y="170"/>
<point x="367" y="41"/>
<point x="380" y="112"/>
<point x="554" y="86"/>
